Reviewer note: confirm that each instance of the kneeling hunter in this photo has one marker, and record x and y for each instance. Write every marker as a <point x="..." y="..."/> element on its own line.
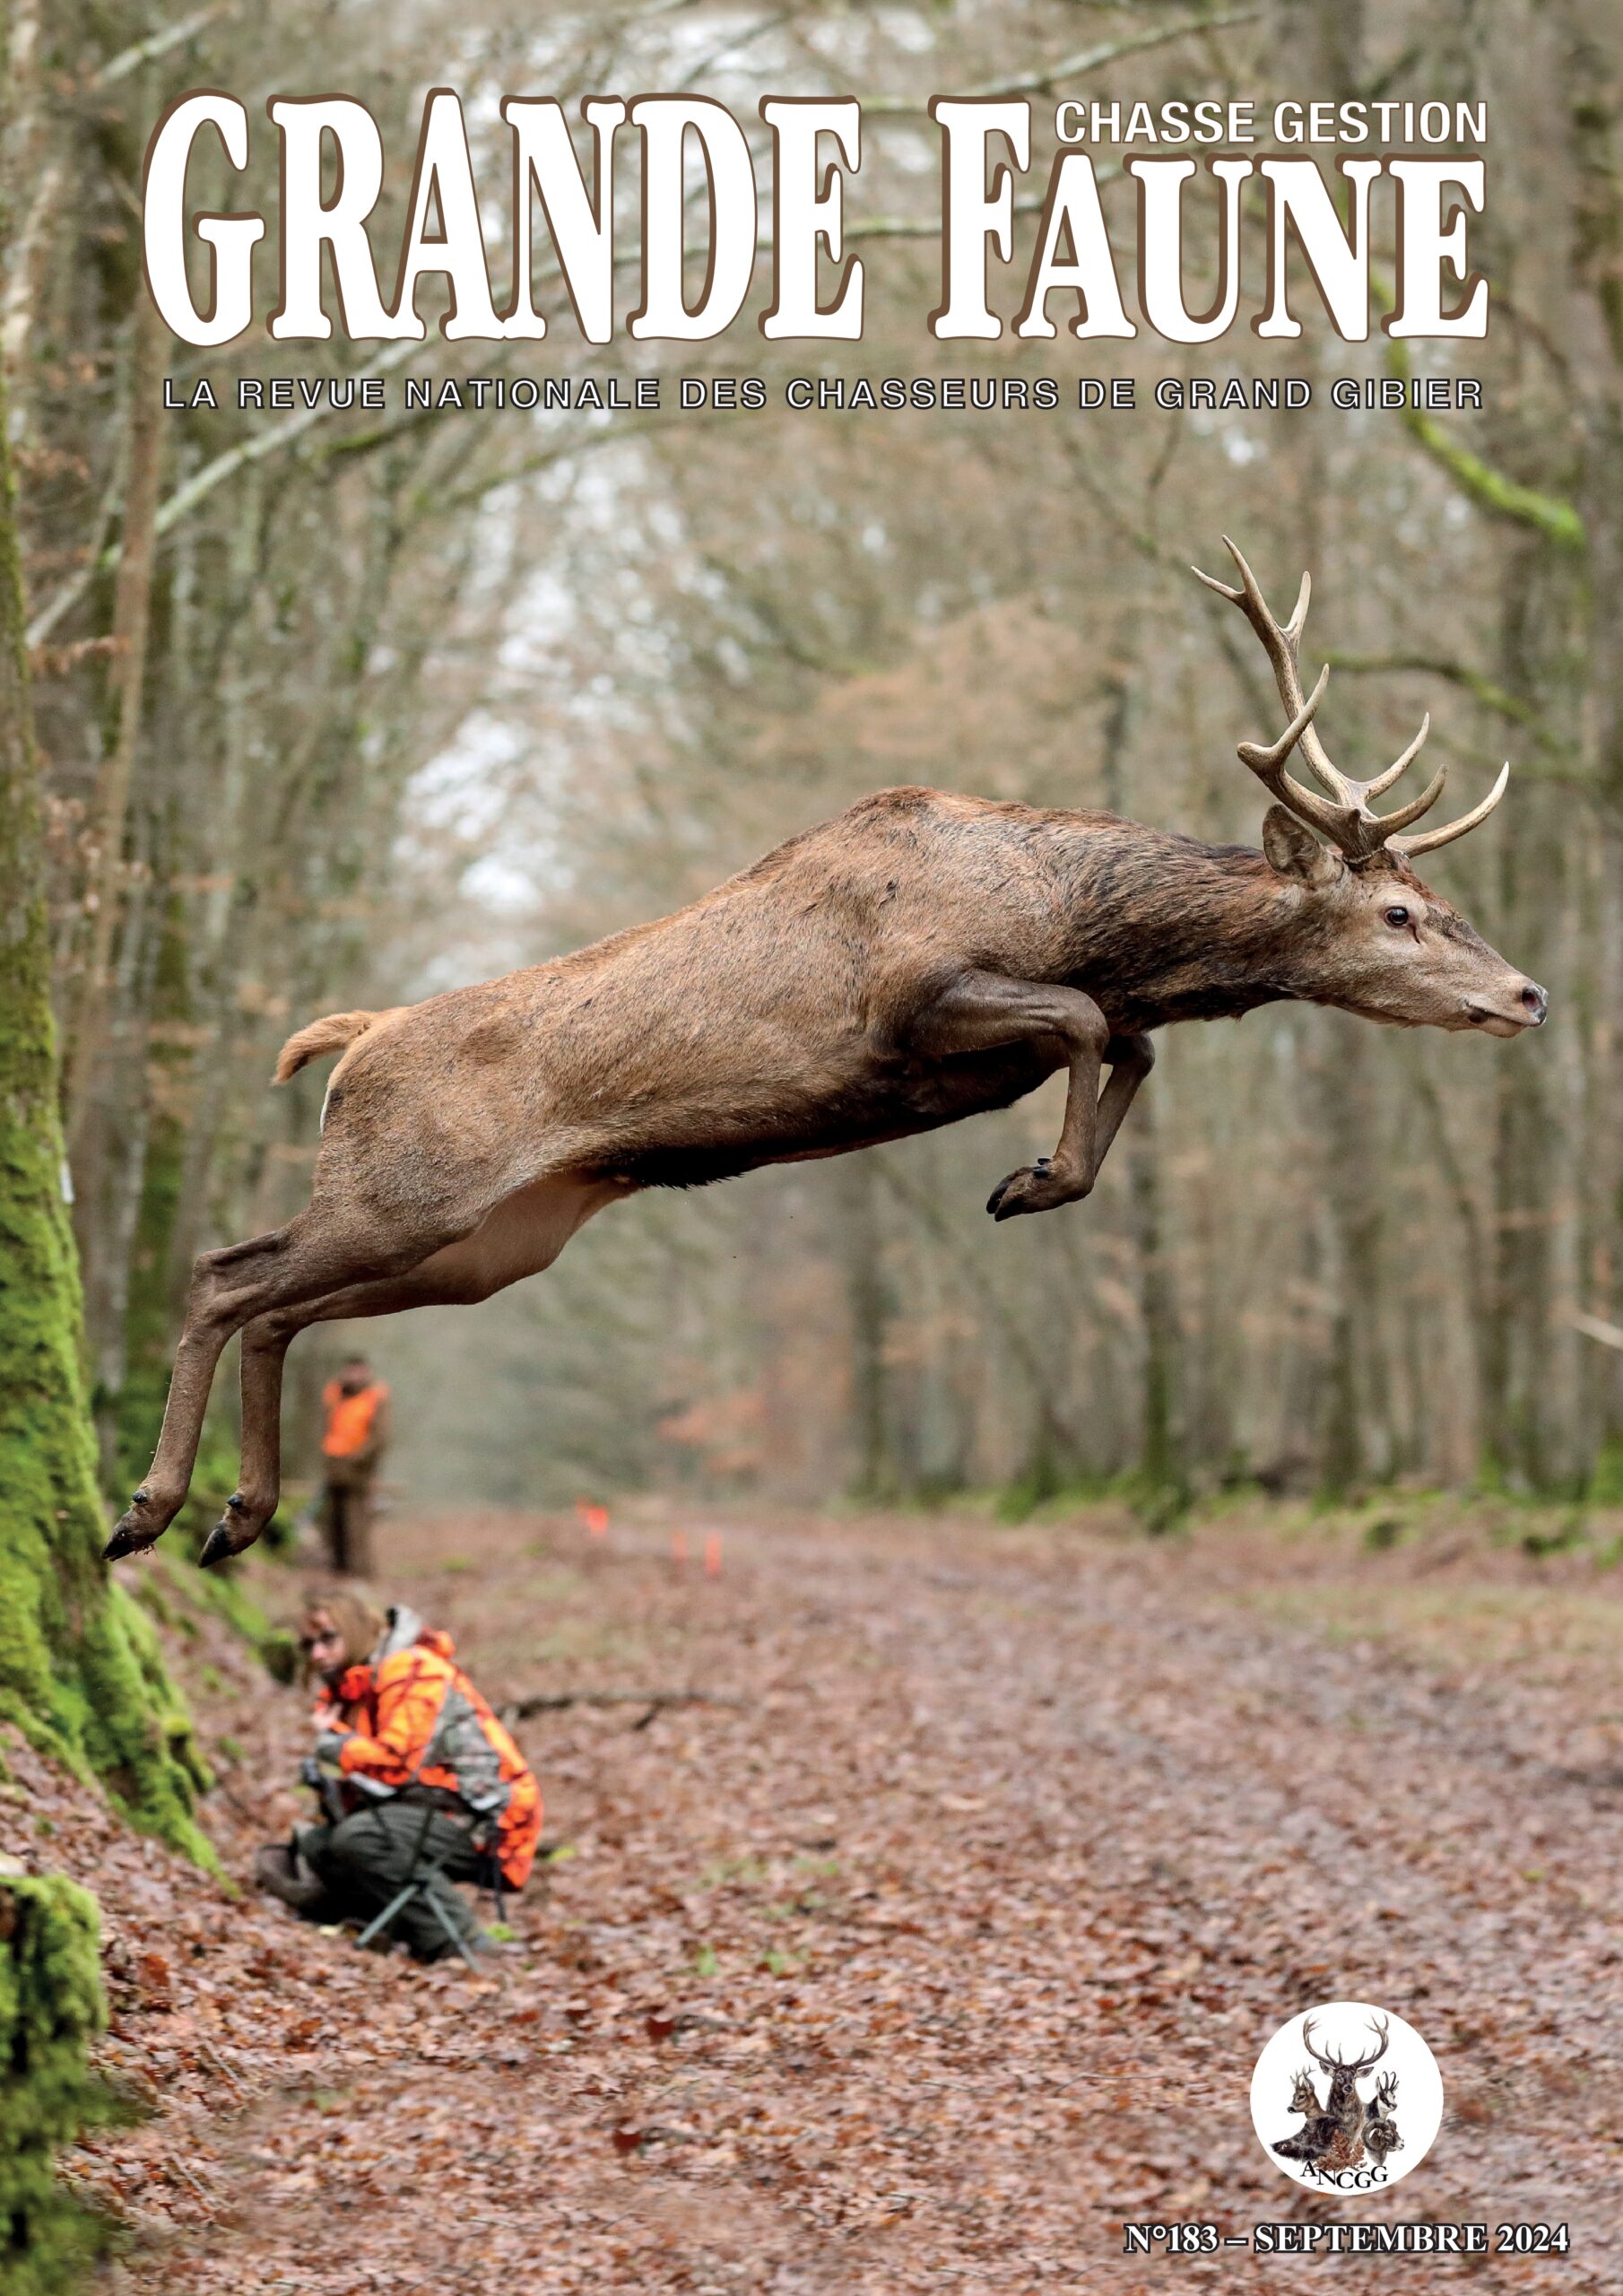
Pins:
<point x="427" y="1778"/>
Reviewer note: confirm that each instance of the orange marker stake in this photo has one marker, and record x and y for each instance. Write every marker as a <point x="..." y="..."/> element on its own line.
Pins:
<point x="713" y="1555"/>
<point x="679" y="1547"/>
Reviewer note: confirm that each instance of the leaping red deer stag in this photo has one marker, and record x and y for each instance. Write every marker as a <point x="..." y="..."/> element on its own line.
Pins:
<point x="920" y="958"/>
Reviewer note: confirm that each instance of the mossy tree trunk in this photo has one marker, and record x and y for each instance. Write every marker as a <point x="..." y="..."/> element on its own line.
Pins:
<point x="79" y="1668"/>
<point x="52" y="2007"/>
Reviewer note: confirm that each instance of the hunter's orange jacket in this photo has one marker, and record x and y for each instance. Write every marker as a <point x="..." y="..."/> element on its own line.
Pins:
<point x="350" y="1419"/>
<point x="414" y="1718"/>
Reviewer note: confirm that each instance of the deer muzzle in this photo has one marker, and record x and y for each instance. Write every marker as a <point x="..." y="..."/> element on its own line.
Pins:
<point x="1525" y="1007"/>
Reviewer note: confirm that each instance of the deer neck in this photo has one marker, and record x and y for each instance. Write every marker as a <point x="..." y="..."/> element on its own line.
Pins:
<point x="1179" y="930"/>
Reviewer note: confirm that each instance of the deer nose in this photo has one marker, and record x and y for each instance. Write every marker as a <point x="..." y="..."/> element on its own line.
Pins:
<point x="1535" y="1003"/>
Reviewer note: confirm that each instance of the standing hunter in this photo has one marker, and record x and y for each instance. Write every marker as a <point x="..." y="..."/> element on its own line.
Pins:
<point x="354" y="1437"/>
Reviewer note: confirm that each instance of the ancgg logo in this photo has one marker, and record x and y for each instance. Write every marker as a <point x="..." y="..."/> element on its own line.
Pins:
<point x="1346" y="2098"/>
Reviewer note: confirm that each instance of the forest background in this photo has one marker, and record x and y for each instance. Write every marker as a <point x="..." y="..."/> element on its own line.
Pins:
<point x="344" y="709"/>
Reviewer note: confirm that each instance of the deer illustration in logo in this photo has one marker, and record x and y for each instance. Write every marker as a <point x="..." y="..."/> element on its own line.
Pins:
<point x="1340" y="2129"/>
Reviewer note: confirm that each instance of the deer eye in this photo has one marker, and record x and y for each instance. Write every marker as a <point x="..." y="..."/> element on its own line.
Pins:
<point x="1397" y="915"/>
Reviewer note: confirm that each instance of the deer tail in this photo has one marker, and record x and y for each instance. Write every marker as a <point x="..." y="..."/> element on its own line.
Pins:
<point x="331" y="1033"/>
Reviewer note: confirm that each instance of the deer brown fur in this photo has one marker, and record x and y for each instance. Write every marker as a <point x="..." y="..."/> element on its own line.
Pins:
<point x="921" y="958"/>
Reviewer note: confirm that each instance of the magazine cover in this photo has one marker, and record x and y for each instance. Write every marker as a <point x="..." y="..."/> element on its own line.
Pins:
<point x="810" y="1145"/>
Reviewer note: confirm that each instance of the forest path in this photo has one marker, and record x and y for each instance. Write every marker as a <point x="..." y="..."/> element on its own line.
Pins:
<point x="972" y="1919"/>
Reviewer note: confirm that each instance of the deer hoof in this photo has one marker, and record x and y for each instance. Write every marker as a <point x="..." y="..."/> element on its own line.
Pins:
<point x="135" y="1531"/>
<point x="128" y="1538"/>
<point x="1033" y="1188"/>
<point x="222" y="1543"/>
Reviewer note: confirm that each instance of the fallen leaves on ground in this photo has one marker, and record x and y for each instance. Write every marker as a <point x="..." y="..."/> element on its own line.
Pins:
<point x="949" y="1949"/>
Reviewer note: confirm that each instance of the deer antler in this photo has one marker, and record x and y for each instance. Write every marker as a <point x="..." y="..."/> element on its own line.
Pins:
<point x="1350" y="822"/>
<point x="1377" y="2025"/>
<point x="1429" y="839"/>
<point x="1317" y="2055"/>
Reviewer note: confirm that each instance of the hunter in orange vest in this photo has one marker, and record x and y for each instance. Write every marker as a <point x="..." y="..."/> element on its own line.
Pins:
<point x="352" y="1442"/>
<point x="429" y="1773"/>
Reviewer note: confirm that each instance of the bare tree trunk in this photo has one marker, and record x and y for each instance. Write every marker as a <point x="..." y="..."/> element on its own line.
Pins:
<point x="1595" y="76"/>
<point x="1161" y="1452"/>
<point x="93" y="1005"/>
<point x="1357" y="1435"/>
<point x="868" y="1304"/>
<point x="1324" y="40"/>
<point x="1529" y="1152"/>
<point x="106" y="1101"/>
<point x="32" y="192"/>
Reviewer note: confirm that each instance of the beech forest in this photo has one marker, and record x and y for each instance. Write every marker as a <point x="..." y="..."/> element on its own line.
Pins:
<point x="313" y="705"/>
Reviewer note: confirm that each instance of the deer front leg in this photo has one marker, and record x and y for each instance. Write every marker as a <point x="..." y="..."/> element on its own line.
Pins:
<point x="985" y="1009"/>
<point x="1130" y="1060"/>
<point x="1090" y="1125"/>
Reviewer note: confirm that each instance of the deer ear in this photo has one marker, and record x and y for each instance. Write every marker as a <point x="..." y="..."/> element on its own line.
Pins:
<point x="1296" y="853"/>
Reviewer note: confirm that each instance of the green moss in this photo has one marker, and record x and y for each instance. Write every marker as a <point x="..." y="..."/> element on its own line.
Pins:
<point x="52" y="2007"/>
<point x="174" y="1592"/>
<point x="189" y="1592"/>
<point x="1569" y="1530"/>
<point x="79" y="1668"/>
<point x="78" y="1664"/>
<point x="213" y="1479"/>
<point x="1492" y="490"/>
<point x="279" y="1654"/>
<point x="1606" y="1481"/>
<point x="212" y="1591"/>
<point x="1020" y="1501"/>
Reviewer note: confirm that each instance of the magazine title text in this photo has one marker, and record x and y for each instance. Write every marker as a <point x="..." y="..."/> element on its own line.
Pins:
<point x="714" y="217"/>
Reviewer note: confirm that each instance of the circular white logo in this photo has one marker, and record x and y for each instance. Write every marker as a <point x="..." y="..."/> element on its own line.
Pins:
<point x="1346" y="2097"/>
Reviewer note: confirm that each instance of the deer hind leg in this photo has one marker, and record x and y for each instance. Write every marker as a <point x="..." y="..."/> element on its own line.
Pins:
<point x="264" y="1345"/>
<point x="523" y="1234"/>
<point x="313" y="1255"/>
<point x="984" y="1010"/>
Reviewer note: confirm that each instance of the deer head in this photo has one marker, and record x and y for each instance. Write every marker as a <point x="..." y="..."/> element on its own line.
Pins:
<point x="1349" y="2068"/>
<point x="1372" y="939"/>
<point x="1304" y="2096"/>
